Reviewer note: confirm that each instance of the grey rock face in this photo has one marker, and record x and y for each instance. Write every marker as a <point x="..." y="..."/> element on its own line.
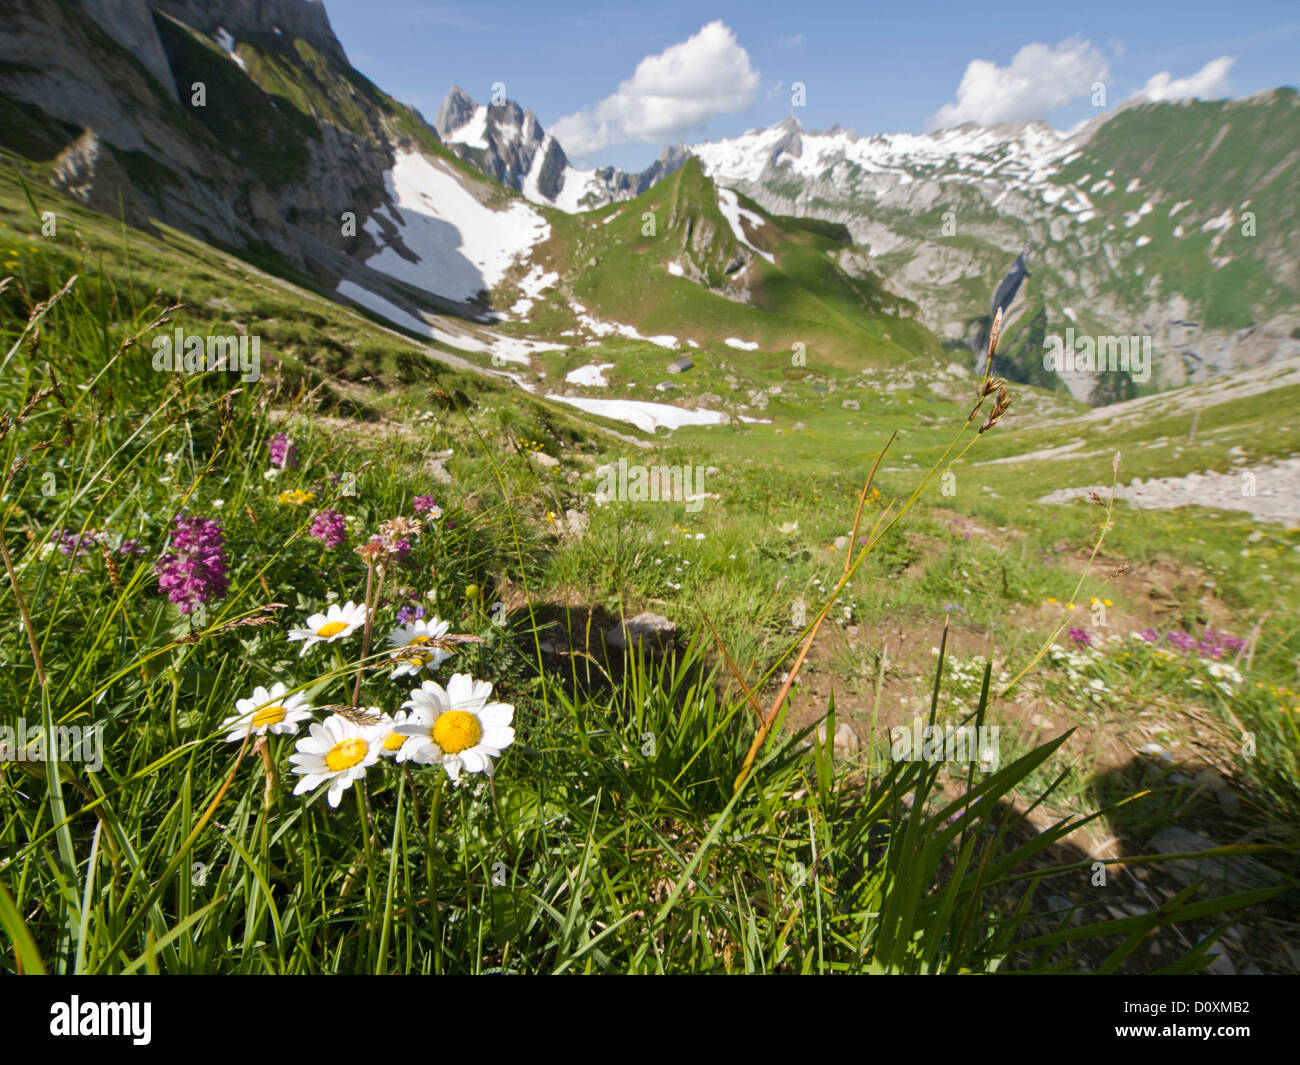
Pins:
<point x="130" y="24"/>
<point x="304" y="19"/>
<point x="92" y="71"/>
<point x="456" y="111"/>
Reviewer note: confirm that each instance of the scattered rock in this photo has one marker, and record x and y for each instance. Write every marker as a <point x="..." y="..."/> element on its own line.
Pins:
<point x="1228" y="801"/>
<point x="1060" y="902"/>
<point x="437" y="466"/>
<point x="1208" y="778"/>
<point x="543" y="459"/>
<point x="647" y="631"/>
<point x="1220" y="873"/>
<point x="577" y="522"/>
<point x="1222" y="964"/>
<point x="846" y="740"/>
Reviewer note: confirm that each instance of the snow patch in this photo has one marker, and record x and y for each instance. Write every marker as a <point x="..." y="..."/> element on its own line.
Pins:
<point x="729" y="204"/>
<point x="645" y="415"/>
<point x="1222" y="221"/>
<point x="227" y="44"/>
<point x="461" y="246"/>
<point x="742" y="345"/>
<point x="473" y="133"/>
<point x="504" y="348"/>
<point x="592" y="376"/>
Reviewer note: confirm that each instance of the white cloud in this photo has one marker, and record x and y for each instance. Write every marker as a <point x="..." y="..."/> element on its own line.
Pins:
<point x="1039" y="79"/>
<point x="1208" y="83"/>
<point x="670" y="95"/>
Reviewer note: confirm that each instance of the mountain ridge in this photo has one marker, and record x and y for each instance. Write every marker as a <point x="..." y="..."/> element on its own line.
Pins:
<point x="508" y="143"/>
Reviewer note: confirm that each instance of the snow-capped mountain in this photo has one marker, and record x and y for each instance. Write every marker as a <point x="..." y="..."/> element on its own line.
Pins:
<point x="508" y="143"/>
<point x="1143" y="221"/>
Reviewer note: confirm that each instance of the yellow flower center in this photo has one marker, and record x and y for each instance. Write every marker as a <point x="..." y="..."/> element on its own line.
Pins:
<point x="456" y="731"/>
<point x="345" y="754"/>
<point x="395" y="741"/>
<point x="268" y="715"/>
<point x="331" y="628"/>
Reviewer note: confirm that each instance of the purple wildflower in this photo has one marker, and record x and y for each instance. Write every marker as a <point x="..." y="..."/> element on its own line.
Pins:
<point x="284" y="452"/>
<point x="194" y="571"/>
<point x="131" y="547"/>
<point x="427" y="505"/>
<point x="1080" y="636"/>
<point x="1221" y="641"/>
<point x="1181" y="640"/>
<point x="409" y="614"/>
<point x="329" y="527"/>
<point x="77" y="544"/>
<point x="1150" y="635"/>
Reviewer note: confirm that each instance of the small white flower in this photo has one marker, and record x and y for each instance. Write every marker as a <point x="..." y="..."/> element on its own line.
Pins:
<point x="337" y="623"/>
<point x="217" y="504"/>
<point x="272" y="473"/>
<point x="457" y="727"/>
<point x="397" y="745"/>
<point x="413" y="652"/>
<point x="339" y="751"/>
<point x="267" y="711"/>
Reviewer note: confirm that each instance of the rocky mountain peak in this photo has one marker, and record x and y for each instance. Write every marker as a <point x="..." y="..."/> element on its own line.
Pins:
<point x="457" y="109"/>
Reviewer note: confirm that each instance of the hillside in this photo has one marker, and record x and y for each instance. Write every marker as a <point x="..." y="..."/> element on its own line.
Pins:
<point x="447" y="576"/>
<point x="1168" y="220"/>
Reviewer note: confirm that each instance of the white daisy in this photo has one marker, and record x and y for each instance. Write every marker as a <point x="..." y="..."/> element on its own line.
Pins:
<point x="337" y="623"/>
<point x="397" y="745"/>
<point x="340" y="751"/>
<point x="413" y="652"/>
<point x="457" y="727"/>
<point x="267" y="711"/>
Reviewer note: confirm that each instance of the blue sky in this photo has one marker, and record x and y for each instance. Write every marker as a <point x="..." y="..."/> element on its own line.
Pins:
<point x="587" y="69"/>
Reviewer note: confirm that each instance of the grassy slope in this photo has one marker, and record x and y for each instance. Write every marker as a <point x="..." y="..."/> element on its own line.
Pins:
<point x="351" y="393"/>
<point x="621" y="274"/>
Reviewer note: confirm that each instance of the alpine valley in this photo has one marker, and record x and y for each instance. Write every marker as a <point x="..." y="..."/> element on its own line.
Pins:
<point x="703" y="469"/>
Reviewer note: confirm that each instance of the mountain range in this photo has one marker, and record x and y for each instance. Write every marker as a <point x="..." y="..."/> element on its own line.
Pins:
<point x="241" y="122"/>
